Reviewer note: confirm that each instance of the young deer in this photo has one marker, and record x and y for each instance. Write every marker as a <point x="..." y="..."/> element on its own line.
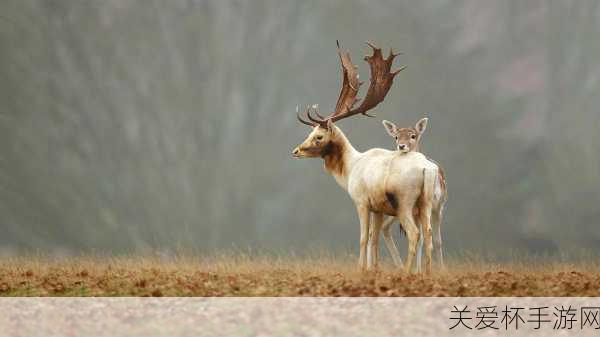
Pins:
<point x="379" y="181"/>
<point x="408" y="140"/>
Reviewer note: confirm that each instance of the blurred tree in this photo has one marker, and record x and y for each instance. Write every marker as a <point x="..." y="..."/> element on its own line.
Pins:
<point x="143" y="125"/>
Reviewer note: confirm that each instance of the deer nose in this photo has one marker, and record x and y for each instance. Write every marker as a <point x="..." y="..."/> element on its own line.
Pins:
<point x="295" y="152"/>
<point x="401" y="146"/>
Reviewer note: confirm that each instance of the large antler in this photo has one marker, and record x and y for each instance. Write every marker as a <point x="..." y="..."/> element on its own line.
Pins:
<point x="381" y="82"/>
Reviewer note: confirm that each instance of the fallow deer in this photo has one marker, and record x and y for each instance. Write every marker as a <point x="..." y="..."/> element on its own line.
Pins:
<point x="379" y="181"/>
<point x="409" y="140"/>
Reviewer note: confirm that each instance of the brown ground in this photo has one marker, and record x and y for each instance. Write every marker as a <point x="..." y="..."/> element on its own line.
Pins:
<point x="263" y="276"/>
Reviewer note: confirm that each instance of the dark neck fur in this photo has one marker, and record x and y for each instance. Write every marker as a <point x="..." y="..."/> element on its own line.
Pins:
<point x="333" y="154"/>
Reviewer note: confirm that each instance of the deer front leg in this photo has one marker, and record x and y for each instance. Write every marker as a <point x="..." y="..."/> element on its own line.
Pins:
<point x="373" y="245"/>
<point x="363" y="216"/>
<point x="389" y="241"/>
<point x="412" y="234"/>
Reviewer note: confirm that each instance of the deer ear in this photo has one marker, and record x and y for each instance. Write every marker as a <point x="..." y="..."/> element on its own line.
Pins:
<point x="421" y="125"/>
<point x="389" y="127"/>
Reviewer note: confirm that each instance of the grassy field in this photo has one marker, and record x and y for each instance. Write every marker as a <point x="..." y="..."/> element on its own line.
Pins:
<point x="270" y="276"/>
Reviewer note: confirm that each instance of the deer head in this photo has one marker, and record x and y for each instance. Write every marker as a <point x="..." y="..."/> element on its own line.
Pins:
<point x="407" y="139"/>
<point x="319" y="141"/>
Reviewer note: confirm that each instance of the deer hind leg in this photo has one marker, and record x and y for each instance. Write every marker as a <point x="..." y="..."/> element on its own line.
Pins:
<point x="426" y="234"/>
<point x="364" y="217"/>
<point x="412" y="234"/>
<point x="419" y="249"/>
<point x="389" y="241"/>
<point x="425" y="209"/>
<point x="436" y="222"/>
<point x="373" y="245"/>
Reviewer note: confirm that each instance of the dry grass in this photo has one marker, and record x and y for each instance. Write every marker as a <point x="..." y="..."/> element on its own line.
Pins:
<point x="241" y="275"/>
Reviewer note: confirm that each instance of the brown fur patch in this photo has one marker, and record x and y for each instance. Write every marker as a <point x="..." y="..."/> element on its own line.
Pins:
<point x="333" y="154"/>
<point x="391" y="198"/>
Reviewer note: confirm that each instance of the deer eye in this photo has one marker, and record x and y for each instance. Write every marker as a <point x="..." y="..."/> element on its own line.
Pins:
<point x="319" y="137"/>
<point x="413" y="136"/>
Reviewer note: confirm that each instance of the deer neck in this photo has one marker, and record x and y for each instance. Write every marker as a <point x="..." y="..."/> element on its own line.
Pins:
<point x="339" y="156"/>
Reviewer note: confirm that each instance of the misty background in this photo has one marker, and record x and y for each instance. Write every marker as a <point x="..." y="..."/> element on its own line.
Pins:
<point x="144" y="125"/>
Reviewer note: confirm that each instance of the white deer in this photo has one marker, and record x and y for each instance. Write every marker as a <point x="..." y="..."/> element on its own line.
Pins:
<point x="408" y="140"/>
<point x="380" y="182"/>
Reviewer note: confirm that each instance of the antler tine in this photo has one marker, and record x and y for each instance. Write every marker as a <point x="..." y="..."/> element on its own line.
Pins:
<point x="322" y="122"/>
<point x="392" y="54"/>
<point x="302" y="120"/>
<point x="316" y="111"/>
<point x="394" y="73"/>
<point x="372" y="46"/>
<point x="314" y="120"/>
